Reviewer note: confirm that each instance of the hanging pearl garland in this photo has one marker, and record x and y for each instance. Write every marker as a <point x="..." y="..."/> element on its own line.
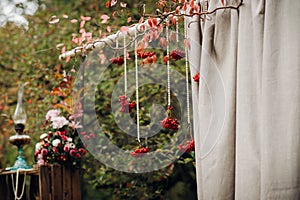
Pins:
<point x="125" y="65"/>
<point x="137" y="87"/>
<point x="168" y="66"/>
<point x="187" y="76"/>
<point x="15" y="188"/>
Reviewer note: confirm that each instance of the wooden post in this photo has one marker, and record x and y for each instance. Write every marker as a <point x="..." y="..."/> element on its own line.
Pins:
<point x="58" y="182"/>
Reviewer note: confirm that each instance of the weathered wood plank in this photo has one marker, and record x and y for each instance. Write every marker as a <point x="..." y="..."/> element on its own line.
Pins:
<point x="45" y="183"/>
<point x="67" y="184"/>
<point x="57" y="182"/>
<point x="76" y="186"/>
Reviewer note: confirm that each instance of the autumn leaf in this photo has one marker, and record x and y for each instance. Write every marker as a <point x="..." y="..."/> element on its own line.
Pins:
<point x="123" y="5"/>
<point x="104" y="18"/>
<point x="113" y="2"/>
<point x="53" y="19"/>
<point x="124" y="29"/>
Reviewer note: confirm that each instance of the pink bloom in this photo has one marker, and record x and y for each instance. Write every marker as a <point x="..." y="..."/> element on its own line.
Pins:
<point x="92" y="135"/>
<point x="52" y="114"/>
<point x="75" y="125"/>
<point x="73" y="152"/>
<point x="82" y="133"/>
<point x="82" y="151"/>
<point x="44" y="151"/>
<point x="86" y="137"/>
<point x="78" y="155"/>
<point x="64" y="138"/>
<point x="66" y="148"/>
<point x="59" y="122"/>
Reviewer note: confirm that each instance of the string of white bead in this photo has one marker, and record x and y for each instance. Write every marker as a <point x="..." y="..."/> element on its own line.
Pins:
<point x="137" y="87"/>
<point x="125" y="65"/>
<point x="177" y="31"/>
<point x="15" y="188"/>
<point x="168" y="66"/>
<point x="187" y="75"/>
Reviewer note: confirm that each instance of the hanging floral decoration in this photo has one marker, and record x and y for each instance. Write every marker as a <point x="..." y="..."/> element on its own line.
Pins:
<point x="197" y="77"/>
<point x="139" y="152"/>
<point x="126" y="106"/>
<point x="60" y="143"/>
<point x="188" y="147"/>
<point x="177" y="54"/>
<point x="117" y="60"/>
<point x="170" y="122"/>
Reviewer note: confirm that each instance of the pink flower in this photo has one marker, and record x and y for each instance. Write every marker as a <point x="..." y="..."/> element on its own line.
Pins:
<point x="86" y="137"/>
<point x="52" y="114"/>
<point x="77" y="155"/>
<point x="75" y="125"/>
<point x="64" y="138"/>
<point x="59" y="122"/>
<point x="92" y="135"/>
<point x="66" y="148"/>
<point x="82" y="151"/>
<point x="73" y="152"/>
<point x="44" y="151"/>
<point x="83" y="133"/>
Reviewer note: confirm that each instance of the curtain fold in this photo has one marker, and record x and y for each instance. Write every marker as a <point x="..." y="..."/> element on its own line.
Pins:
<point x="247" y="105"/>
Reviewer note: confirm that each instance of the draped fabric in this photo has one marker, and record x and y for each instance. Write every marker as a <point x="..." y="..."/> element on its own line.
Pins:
<point x="246" y="108"/>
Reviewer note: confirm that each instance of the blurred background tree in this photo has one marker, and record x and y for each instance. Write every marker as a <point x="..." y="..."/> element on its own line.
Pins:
<point x="31" y="56"/>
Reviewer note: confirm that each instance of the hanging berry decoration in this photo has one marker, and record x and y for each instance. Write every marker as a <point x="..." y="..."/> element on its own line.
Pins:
<point x="169" y="122"/>
<point x="188" y="147"/>
<point x="126" y="106"/>
<point x="197" y="77"/>
<point x="119" y="60"/>
<point x="139" y="152"/>
<point x="177" y="54"/>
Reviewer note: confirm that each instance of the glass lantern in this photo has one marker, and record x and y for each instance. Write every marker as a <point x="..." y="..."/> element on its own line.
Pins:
<point x="20" y="138"/>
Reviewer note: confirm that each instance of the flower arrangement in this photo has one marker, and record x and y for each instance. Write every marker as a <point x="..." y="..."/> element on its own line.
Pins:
<point x="60" y="143"/>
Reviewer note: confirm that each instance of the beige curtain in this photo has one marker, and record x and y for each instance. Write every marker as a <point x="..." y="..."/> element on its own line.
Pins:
<point x="247" y="104"/>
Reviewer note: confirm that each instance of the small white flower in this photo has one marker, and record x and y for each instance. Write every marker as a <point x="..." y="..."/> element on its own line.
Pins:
<point x="72" y="145"/>
<point x="70" y="139"/>
<point x="43" y="136"/>
<point x="59" y="122"/>
<point x="56" y="142"/>
<point x="37" y="146"/>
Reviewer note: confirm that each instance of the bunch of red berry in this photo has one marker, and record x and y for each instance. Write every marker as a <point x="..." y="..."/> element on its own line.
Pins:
<point x="139" y="152"/>
<point x="125" y="105"/>
<point x="142" y="54"/>
<point x="117" y="60"/>
<point x="197" y="77"/>
<point x="188" y="147"/>
<point x="177" y="54"/>
<point x="170" y="123"/>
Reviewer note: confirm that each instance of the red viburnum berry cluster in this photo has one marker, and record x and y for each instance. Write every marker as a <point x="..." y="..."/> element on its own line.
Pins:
<point x="177" y="54"/>
<point x="117" y="60"/>
<point x="170" y="123"/>
<point x="139" y="152"/>
<point x="142" y="54"/>
<point x="125" y="105"/>
<point x="188" y="147"/>
<point x="197" y="77"/>
<point x="149" y="57"/>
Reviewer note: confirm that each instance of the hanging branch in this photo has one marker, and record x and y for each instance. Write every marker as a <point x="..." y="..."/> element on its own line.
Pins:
<point x="141" y="28"/>
<point x="109" y="40"/>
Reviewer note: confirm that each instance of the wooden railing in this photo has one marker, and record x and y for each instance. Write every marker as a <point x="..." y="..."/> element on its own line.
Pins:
<point x="49" y="182"/>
